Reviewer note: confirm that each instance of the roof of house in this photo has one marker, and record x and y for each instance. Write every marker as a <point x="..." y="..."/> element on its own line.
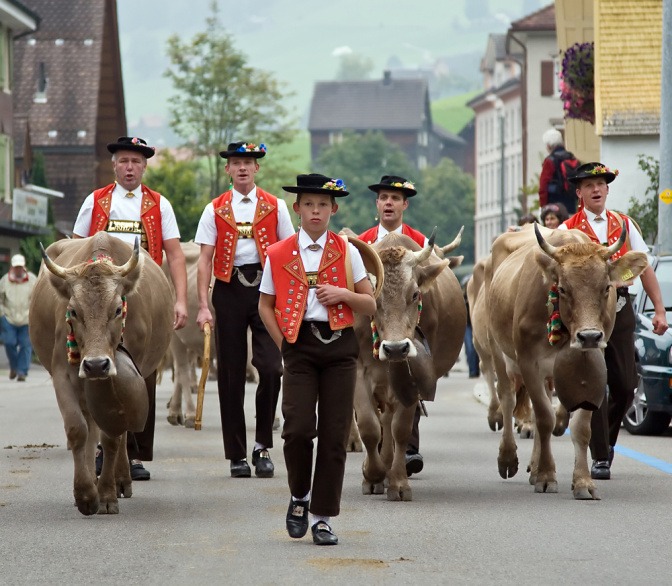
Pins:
<point x="384" y="104"/>
<point x="22" y="19"/>
<point x="628" y="49"/>
<point x="495" y="50"/>
<point x="63" y="56"/>
<point x="540" y="20"/>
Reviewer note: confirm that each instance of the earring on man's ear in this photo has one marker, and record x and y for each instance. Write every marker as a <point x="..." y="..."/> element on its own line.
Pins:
<point x="376" y="218"/>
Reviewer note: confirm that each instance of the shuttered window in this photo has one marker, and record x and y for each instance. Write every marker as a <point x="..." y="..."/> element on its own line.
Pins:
<point x="547" y="78"/>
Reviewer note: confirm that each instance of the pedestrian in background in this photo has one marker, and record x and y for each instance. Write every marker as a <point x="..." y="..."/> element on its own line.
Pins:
<point x="469" y="350"/>
<point x="16" y="289"/>
<point x="559" y="166"/>
<point x="553" y="214"/>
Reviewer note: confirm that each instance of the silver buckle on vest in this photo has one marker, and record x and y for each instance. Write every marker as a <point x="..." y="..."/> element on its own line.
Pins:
<point x="334" y="335"/>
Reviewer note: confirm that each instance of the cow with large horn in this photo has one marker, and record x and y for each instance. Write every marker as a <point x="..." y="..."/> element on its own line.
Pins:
<point x="415" y="337"/>
<point x="100" y="322"/>
<point x="563" y="340"/>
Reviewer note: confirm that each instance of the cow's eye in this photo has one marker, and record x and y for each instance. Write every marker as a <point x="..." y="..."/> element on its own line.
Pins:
<point x="561" y="290"/>
<point x="416" y="295"/>
<point x="72" y="312"/>
<point x="118" y="312"/>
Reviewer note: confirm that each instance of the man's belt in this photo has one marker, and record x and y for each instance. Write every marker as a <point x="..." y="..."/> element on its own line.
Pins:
<point x="312" y="280"/>
<point x="125" y="226"/>
<point x="244" y="229"/>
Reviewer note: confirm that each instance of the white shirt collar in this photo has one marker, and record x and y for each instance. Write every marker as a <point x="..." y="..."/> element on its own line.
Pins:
<point x="382" y="231"/>
<point x="237" y="196"/>
<point x="305" y="240"/>
<point x="137" y="192"/>
<point x="591" y="216"/>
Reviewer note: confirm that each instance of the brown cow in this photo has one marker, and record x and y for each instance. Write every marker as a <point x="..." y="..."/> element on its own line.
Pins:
<point x="405" y="370"/>
<point x="518" y="314"/>
<point x="89" y="279"/>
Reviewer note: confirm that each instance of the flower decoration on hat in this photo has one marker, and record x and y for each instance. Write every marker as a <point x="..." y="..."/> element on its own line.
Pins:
<point x="140" y="142"/>
<point x="250" y="147"/>
<point x="335" y="185"/>
<point x="404" y="185"/>
<point x="601" y="170"/>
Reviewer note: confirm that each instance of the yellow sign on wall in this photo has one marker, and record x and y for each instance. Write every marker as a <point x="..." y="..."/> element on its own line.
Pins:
<point x="666" y="196"/>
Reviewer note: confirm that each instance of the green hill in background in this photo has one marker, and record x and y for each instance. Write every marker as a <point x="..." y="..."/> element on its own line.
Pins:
<point x="452" y="113"/>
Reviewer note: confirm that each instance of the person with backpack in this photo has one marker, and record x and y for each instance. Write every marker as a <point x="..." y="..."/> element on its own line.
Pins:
<point x="557" y="168"/>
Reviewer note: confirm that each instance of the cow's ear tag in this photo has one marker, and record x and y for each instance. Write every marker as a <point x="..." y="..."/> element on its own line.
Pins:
<point x="627" y="275"/>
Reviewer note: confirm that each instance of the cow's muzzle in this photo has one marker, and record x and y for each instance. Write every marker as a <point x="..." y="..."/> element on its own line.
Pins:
<point x="587" y="339"/>
<point x="97" y="367"/>
<point x="396" y="351"/>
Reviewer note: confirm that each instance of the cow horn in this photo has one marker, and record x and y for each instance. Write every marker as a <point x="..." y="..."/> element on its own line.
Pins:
<point x="59" y="271"/>
<point x="454" y="244"/>
<point x="132" y="262"/>
<point x="549" y="249"/>
<point x="616" y="246"/>
<point x="422" y="255"/>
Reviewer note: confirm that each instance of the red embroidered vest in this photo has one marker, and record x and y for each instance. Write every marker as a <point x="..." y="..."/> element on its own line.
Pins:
<point x="579" y="221"/>
<point x="291" y="283"/>
<point x="150" y="216"/>
<point x="264" y="230"/>
<point x="371" y="235"/>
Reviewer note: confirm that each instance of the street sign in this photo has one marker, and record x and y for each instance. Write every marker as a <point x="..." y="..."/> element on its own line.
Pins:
<point x="666" y="196"/>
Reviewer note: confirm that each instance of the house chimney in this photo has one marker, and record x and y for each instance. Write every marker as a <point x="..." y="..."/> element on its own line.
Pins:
<point x="387" y="77"/>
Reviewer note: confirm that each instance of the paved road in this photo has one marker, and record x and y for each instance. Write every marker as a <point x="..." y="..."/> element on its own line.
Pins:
<point x="192" y="523"/>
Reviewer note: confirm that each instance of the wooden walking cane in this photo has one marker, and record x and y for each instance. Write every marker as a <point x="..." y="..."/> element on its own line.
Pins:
<point x="205" y="368"/>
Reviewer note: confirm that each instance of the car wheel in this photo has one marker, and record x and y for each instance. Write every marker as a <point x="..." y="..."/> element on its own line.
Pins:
<point x="639" y="420"/>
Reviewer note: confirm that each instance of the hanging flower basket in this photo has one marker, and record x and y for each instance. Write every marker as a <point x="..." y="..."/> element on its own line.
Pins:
<point x="577" y="82"/>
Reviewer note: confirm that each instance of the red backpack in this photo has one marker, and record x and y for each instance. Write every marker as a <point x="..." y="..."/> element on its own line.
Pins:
<point x="560" y="190"/>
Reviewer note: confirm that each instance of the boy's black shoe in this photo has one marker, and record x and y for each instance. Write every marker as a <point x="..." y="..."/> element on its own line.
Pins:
<point x="600" y="470"/>
<point x="414" y="462"/>
<point x="297" y="518"/>
<point x="240" y="469"/>
<point x="323" y="535"/>
<point x="263" y="466"/>
<point x="138" y="471"/>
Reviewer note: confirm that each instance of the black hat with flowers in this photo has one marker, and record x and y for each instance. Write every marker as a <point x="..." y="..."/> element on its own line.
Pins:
<point x="244" y="149"/>
<point x="131" y="143"/>
<point x="320" y="184"/>
<point x="591" y="171"/>
<point x="394" y="182"/>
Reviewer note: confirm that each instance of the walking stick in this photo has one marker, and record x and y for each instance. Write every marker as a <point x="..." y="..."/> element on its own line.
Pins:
<point x="205" y="368"/>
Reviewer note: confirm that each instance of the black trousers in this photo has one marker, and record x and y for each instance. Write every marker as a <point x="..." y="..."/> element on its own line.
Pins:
<point x="140" y="444"/>
<point x="622" y="380"/>
<point x="317" y="401"/>
<point x="236" y="309"/>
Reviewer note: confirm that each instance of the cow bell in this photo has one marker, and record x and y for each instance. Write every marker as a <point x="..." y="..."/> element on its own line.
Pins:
<point x="580" y="378"/>
<point x="118" y="403"/>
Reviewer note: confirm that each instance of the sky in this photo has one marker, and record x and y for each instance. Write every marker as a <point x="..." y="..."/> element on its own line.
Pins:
<point x="299" y="41"/>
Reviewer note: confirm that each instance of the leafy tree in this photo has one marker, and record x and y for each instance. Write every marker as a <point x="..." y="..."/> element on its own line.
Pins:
<point x="354" y="67"/>
<point x="360" y="160"/>
<point x="220" y="98"/>
<point x="645" y="212"/>
<point x="446" y="200"/>
<point x="185" y="185"/>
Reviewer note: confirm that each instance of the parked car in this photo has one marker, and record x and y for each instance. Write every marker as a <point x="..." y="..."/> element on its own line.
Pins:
<point x="651" y="411"/>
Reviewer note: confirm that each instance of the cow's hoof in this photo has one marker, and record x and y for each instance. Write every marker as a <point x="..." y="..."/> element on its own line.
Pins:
<point x="379" y="488"/>
<point x="175" y="418"/>
<point x="190" y="422"/>
<point x="124" y="488"/>
<point x="367" y="487"/>
<point x="393" y="495"/>
<point x="526" y="432"/>
<point x="406" y="494"/>
<point x="508" y="469"/>
<point x="108" y="508"/>
<point x="496" y="422"/>
<point x="550" y="487"/>
<point x="355" y="447"/>
<point x="585" y="494"/>
<point x="88" y="507"/>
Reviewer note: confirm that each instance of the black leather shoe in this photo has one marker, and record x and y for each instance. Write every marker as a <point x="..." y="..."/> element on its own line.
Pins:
<point x="323" y="535"/>
<point x="297" y="518"/>
<point x="600" y="470"/>
<point x="414" y="462"/>
<point x="138" y="471"/>
<point x="263" y="466"/>
<point x="99" y="459"/>
<point x="240" y="469"/>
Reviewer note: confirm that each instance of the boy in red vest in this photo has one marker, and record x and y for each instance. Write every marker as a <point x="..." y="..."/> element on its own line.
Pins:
<point x="128" y="209"/>
<point x="312" y="285"/>
<point x="604" y="227"/>
<point x="392" y="193"/>
<point x="237" y="228"/>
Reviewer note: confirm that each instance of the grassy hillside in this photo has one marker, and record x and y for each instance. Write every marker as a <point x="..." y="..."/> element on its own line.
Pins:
<point x="451" y="113"/>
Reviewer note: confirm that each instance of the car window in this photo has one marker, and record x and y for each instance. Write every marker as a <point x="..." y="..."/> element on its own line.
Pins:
<point x="664" y="275"/>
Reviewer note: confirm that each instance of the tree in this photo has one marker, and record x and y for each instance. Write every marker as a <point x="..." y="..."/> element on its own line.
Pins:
<point x="354" y="67"/>
<point x="446" y="200"/>
<point x="185" y="185"/>
<point x="645" y="212"/>
<point x="360" y="160"/>
<point x="221" y="99"/>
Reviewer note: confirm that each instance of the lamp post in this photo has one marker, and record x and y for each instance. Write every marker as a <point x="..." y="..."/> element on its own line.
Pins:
<point x="502" y="159"/>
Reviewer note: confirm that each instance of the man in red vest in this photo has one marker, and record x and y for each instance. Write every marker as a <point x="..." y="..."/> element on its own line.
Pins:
<point x="604" y="227"/>
<point x="312" y="285"/>
<point x="392" y="193"/>
<point x="127" y="209"/>
<point x="237" y="228"/>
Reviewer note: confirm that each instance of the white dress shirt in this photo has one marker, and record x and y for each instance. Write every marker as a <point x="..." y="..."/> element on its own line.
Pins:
<point x="601" y="230"/>
<point x="382" y="232"/>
